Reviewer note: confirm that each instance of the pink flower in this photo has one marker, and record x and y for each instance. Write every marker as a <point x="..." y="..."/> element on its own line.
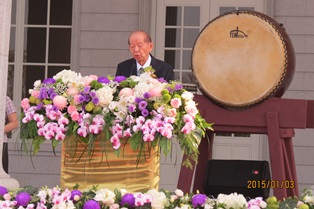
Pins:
<point x="89" y="79"/>
<point x="41" y="132"/>
<point x="75" y="116"/>
<point x="155" y="92"/>
<point x="127" y="133"/>
<point x="72" y="91"/>
<point x="63" y="121"/>
<point x="60" y="102"/>
<point x="166" y="133"/>
<point x="115" y="142"/>
<point x="35" y="93"/>
<point x="82" y="131"/>
<point x="40" y="124"/>
<point x="126" y="92"/>
<point x="7" y="196"/>
<point x="94" y="129"/>
<point x="148" y="138"/>
<point x="114" y="206"/>
<point x="170" y="119"/>
<point x="187" y="118"/>
<point x="71" y="109"/>
<point x="172" y="112"/>
<point x="49" y="135"/>
<point x="175" y="102"/>
<point x="190" y="107"/>
<point x="188" y="127"/>
<point x="25" y="104"/>
<point x="60" y="136"/>
<point x="76" y="98"/>
<point x="38" y="117"/>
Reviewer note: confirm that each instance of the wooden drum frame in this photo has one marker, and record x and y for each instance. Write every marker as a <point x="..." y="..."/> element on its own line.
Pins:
<point x="242" y="58"/>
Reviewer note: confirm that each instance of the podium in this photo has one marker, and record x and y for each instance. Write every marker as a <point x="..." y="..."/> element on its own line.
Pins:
<point x="276" y="117"/>
<point x="103" y="168"/>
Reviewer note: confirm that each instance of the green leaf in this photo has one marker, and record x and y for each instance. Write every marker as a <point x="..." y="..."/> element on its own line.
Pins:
<point x="289" y="203"/>
<point x="136" y="140"/>
<point x="54" y="144"/>
<point x="36" y="143"/>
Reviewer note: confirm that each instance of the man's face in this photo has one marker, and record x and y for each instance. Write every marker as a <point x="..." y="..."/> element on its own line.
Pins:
<point x="140" y="48"/>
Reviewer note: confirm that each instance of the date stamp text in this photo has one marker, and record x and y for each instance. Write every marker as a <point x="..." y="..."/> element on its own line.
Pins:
<point x="273" y="184"/>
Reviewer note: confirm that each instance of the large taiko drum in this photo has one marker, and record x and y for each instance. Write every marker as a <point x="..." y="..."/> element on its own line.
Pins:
<point x="242" y="58"/>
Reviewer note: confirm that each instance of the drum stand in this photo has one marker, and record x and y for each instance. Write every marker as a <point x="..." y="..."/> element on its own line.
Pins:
<point x="275" y="117"/>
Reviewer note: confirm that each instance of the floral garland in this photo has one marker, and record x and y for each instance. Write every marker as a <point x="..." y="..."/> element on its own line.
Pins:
<point x="142" y="110"/>
<point x="94" y="198"/>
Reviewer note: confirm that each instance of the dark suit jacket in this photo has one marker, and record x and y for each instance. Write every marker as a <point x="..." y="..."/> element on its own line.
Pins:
<point x="162" y="69"/>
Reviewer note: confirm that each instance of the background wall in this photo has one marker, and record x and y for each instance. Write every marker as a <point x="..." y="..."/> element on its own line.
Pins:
<point x="298" y="19"/>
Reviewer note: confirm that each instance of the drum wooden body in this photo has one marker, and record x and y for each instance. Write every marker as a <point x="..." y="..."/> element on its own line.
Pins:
<point x="242" y="58"/>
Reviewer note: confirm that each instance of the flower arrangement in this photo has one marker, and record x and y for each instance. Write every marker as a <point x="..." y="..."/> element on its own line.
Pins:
<point x="141" y="110"/>
<point x="97" y="198"/>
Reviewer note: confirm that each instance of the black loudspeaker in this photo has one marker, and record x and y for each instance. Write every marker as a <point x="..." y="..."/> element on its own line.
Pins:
<point x="246" y="177"/>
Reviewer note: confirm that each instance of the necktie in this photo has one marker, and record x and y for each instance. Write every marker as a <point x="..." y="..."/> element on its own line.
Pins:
<point x="140" y="71"/>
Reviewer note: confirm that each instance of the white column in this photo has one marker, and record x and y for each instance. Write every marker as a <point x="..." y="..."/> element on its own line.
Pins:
<point x="5" y="17"/>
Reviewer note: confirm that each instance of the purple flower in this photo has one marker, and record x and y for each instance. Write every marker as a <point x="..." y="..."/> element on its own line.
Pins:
<point x="103" y="80"/>
<point x="39" y="106"/>
<point x="119" y="79"/>
<point x="198" y="200"/>
<point x="91" y="204"/>
<point x="3" y="190"/>
<point x="81" y="99"/>
<point x="142" y="105"/>
<point x="49" y="81"/>
<point x="145" y="113"/>
<point x="138" y="100"/>
<point x="92" y="94"/>
<point x="53" y="95"/>
<point x="146" y="95"/>
<point x="43" y="93"/>
<point x="87" y="98"/>
<point x="132" y="108"/>
<point x="22" y="199"/>
<point x="95" y="100"/>
<point x="161" y="80"/>
<point x="178" y="87"/>
<point x="169" y="89"/>
<point x="50" y="91"/>
<point x="127" y="199"/>
<point x="87" y="89"/>
<point x="75" y="193"/>
<point x="54" y="108"/>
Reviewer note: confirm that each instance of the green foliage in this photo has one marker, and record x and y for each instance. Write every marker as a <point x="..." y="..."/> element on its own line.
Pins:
<point x="288" y="203"/>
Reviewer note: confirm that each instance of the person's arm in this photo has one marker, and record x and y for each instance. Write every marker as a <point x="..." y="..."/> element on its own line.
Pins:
<point x="12" y="124"/>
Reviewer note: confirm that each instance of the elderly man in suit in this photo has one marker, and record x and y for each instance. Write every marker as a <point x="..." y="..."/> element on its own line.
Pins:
<point x="140" y="46"/>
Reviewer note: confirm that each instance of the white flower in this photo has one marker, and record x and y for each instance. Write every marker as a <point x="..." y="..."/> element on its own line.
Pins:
<point x="106" y="196"/>
<point x="64" y="205"/>
<point x="159" y="200"/>
<point x="179" y="192"/>
<point x="183" y="207"/>
<point x="210" y="203"/>
<point x="309" y="199"/>
<point x="37" y="83"/>
<point x="68" y="76"/>
<point x="234" y="200"/>
<point x="105" y="95"/>
<point x="187" y="95"/>
<point x="141" y="88"/>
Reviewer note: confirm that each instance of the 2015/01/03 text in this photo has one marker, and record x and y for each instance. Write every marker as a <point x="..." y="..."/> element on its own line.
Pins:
<point x="264" y="184"/>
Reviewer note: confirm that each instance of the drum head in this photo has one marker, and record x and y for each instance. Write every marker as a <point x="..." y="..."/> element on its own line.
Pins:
<point x="242" y="58"/>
